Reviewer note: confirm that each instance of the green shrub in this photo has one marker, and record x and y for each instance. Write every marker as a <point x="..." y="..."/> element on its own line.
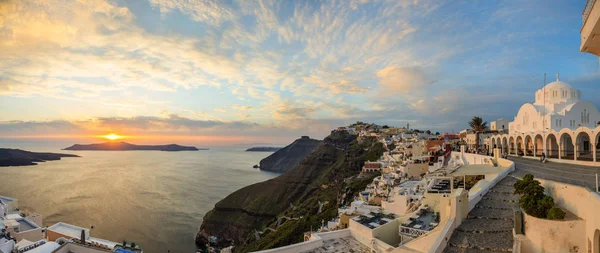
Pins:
<point x="555" y="213"/>
<point x="533" y="199"/>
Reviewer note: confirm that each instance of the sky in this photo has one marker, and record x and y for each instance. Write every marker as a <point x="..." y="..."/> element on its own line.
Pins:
<point x="234" y="71"/>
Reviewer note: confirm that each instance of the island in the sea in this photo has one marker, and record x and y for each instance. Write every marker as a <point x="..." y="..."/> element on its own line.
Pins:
<point x="124" y="146"/>
<point x="263" y="149"/>
<point x="18" y="157"/>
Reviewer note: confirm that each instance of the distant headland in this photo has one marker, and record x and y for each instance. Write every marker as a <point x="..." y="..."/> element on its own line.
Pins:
<point x="124" y="146"/>
<point x="18" y="157"/>
<point x="263" y="149"/>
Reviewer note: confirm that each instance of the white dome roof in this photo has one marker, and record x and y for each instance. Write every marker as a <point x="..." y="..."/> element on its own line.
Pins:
<point x="558" y="85"/>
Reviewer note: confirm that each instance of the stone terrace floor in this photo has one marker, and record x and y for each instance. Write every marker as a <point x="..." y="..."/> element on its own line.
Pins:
<point x="345" y="244"/>
<point x="488" y="227"/>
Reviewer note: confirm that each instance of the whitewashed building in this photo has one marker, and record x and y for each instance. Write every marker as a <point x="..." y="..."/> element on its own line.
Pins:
<point x="558" y="123"/>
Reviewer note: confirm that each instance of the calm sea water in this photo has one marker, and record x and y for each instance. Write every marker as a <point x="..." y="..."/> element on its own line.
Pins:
<point x="156" y="199"/>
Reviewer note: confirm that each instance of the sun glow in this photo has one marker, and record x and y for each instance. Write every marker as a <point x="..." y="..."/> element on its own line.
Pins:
<point x="112" y="137"/>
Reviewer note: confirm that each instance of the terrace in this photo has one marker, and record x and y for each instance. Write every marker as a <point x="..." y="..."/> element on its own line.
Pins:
<point x="25" y="225"/>
<point x="419" y="224"/>
<point x="440" y="185"/>
<point x="375" y="220"/>
<point x="344" y="244"/>
<point x="69" y="230"/>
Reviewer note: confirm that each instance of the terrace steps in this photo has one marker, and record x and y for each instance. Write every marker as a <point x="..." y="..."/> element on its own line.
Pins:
<point x="488" y="227"/>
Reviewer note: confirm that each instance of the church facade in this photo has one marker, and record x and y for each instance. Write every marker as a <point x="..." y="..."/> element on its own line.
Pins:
<point x="558" y="123"/>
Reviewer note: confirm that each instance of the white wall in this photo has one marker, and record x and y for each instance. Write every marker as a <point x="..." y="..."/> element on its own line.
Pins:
<point x="553" y="236"/>
<point x="581" y="202"/>
<point x="388" y="233"/>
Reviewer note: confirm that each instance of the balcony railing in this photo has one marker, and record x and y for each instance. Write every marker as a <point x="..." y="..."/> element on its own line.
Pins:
<point x="412" y="232"/>
<point x="587" y="10"/>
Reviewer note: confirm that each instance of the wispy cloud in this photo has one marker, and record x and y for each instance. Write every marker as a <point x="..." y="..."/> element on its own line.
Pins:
<point x="279" y="64"/>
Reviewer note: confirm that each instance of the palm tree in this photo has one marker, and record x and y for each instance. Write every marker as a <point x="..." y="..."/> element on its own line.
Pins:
<point x="478" y="126"/>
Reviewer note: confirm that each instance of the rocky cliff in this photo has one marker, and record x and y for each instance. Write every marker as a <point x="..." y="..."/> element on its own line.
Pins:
<point x="17" y="157"/>
<point x="288" y="157"/>
<point x="278" y="211"/>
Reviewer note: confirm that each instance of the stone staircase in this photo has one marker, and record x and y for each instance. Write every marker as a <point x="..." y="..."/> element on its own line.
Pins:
<point x="488" y="227"/>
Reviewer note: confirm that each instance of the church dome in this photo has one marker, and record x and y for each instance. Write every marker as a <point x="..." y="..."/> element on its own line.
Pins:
<point x="558" y="85"/>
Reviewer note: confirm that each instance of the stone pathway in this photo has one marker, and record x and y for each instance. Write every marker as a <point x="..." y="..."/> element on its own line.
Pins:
<point x="560" y="172"/>
<point x="488" y="227"/>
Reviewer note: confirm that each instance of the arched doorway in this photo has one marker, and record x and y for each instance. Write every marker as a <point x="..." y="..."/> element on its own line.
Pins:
<point x="511" y="145"/>
<point x="528" y="146"/>
<point x="520" y="146"/>
<point x="584" y="147"/>
<point x="504" y="146"/>
<point x="551" y="146"/>
<point x="493" y="145"/>
<point x="539" y="145"/>
<point x="566" y="147"/>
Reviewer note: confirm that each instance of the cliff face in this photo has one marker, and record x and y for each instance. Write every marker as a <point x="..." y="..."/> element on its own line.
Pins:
<point x="297" y="194"/>
<point x="287" y="158"/>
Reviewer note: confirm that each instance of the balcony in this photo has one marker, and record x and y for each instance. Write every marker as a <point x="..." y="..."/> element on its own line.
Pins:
<point x="590" y="30"/>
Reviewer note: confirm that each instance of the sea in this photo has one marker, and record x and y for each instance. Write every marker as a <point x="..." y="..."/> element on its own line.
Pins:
<point x="153" y="198"/>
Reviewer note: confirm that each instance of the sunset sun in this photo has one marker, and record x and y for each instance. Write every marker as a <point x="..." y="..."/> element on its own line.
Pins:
<point x="112" y="137"/>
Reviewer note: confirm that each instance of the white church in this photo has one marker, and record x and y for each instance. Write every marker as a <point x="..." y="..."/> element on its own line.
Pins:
<point x="558" y="123"/>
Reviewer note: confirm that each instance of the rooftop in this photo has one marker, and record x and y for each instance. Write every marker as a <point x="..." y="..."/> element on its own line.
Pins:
<point x="420" y="224"/>
<point x="375" y="220"/>
<point x="69" y="230"/>
<point x="25" y="225"/>
<point x="411" y="184"/>
<point x="45" y="247"/>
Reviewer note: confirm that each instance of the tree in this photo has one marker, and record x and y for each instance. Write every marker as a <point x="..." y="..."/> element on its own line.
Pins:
<point x="478" y="126"/>
<point x="437" y="133"/>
